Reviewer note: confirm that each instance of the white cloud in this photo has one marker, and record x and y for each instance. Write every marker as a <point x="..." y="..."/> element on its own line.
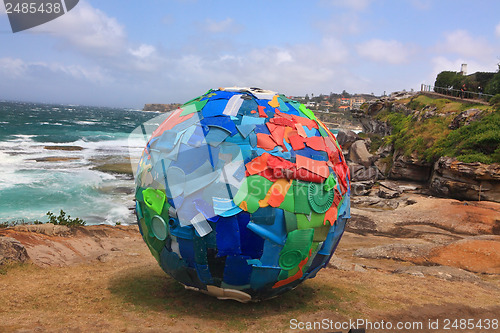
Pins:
<point x="93" y="74"/>
<point x="16" y="68"/>
<point x="228" y="26"/>
<point x="497" y="30"/>
<point x="390" y="51"/>
<point x="88" y="29"/>
<point x="11" y="67"/>
<point x="460" y="42"/>
<point x="286" y="69"/>
<point x="441" y="63"/>
<point x="143" y="51"/>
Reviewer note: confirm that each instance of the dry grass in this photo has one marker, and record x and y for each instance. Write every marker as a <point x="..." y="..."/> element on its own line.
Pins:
<point x="130" y="293"/>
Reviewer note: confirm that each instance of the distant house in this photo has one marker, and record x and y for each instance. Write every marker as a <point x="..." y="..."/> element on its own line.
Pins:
<point x="357" y="101"/>
<point x="344" y="103"/>
<point x="354" y="102"/>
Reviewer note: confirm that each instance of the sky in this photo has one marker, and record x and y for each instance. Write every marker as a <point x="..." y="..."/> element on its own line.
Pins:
<point x="125" y="53"/>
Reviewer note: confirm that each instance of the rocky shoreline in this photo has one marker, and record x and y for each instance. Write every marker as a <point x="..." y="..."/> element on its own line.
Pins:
<point x="435" y="249"/>
<point x="446" y="177"/>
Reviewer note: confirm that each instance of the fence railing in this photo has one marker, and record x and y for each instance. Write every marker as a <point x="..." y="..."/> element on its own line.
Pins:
<point x="456" y="92"/>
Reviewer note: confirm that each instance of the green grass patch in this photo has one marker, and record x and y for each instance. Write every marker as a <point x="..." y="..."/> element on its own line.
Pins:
<point x="476" y="142"/>
<point x="422" y="101"/>
<point x="430" y="138"/>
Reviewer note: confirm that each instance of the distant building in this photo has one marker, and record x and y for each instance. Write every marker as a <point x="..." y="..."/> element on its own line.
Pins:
<point x="463" y="69"/>
<point x="354" y="102"/>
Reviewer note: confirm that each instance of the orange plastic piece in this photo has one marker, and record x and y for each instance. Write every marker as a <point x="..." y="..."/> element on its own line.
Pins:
<point x="316" y="143"/>
<point x="305" y="121"/>
<point x="292" y="278"/>
<point x="331" y="215"/>
<point x="297" y="142"/>
<point x="262" y="114"/>
<point x="278" y="191"/>
<point x="278" y="134"/>
<point x="300" y="130"/>
<point x="288" y="131"/>
<point x="258" y="164"/>
<point x="265" y="141"/>
<point x="318" y="167"/>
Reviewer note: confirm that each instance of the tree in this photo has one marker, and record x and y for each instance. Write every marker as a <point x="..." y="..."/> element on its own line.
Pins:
<point x="345" y="94"/>
<point x="448" y="79"/>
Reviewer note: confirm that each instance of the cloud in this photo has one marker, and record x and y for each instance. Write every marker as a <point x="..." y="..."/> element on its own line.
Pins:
<point x="88" y="29"/>
<point x="227" y="26"/>
<point x="287" y="69"/>
<point x="461" y="43"/>
<point x="18" y="68"/>
<point x="497" y="30"/>
<point x="441" y="63"/>
<point x="143" y="51"/>
<point x="11" y="67"/>
<point x="390" y="51"/>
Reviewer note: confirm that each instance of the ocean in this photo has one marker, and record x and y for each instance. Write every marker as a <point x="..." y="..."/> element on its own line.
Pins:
<point x="48" y="160"/>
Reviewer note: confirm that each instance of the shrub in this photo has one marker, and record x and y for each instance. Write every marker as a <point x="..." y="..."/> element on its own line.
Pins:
<point x="476" y="142"/>
<point x="495" y="101"/>
<point x="62" y="219"/>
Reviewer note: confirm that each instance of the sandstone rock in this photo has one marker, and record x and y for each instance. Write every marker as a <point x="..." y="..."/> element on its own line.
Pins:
<point x="45" y="229"/>
<point x="358" y="153"/>
<point x="360" y="224"/>
<point x="397" y="95"/>
<point x="371" y="173"/>
<point x="103" y="257"/>
<point x="382" y="163"/>
<point x="401" y="108"/>
<point x="12" y="250"/>
<point x="382" y="166"/>
<point x="465" y="118"/>
<point x="375" y="107"/>
<point x="476" y="254"/>
<point x="409" y="168"/>
<point x="375" y="126"/>
<point x="385" y="150"/>
<point x="466" y="181"/>
<point x="441" y="272"/>
<point x="401" y="252"/>
<point x="345" y="139"/>
<point x="427" y="112"/>
<point x="374" y="202"/>
<point x="388" y="193"/>
<point x="391" y="189"/>
<point x="361" y="187"/>
<point x="343" y="265"/>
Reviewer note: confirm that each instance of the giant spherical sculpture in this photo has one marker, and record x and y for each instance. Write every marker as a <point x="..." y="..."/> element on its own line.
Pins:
<point x="242" y="194"/>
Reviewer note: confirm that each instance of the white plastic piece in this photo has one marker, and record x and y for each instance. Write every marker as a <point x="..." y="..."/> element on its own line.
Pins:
<point x="201" y="225"/>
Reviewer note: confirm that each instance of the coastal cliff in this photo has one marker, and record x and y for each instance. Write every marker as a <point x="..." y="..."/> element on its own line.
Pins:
<point x="451" y="148"/>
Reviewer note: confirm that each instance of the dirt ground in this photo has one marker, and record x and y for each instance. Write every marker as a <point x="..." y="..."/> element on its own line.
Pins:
<point x="103" y="279"/>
